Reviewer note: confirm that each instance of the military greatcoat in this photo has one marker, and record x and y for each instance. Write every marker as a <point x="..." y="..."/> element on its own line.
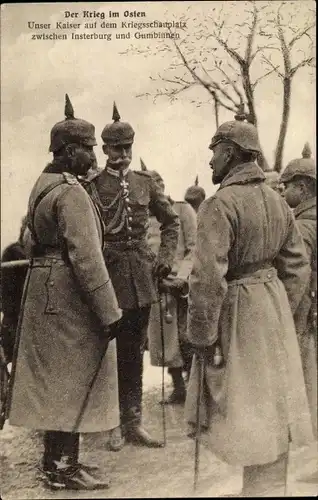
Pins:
<point x="69" y="301"/>
<point x="182" y="265"/>
<point x="306" y="328"/>
<point x="129" y="259"/>
<point x="249" y="273"/>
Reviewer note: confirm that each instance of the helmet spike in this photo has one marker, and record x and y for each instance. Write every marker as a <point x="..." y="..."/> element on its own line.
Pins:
<point x="306" y="152"/>
<point x="143" y="166"/>
<point x="116" y="115"/>
<point x="68" y="110"/>
<point x="240" y="115"/>
<point x="196" y="182"/>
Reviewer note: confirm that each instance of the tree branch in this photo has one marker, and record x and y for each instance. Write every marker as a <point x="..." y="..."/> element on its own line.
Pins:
<point x="232" y="83"/>
<point x="256" y="82"/>
<point x="251" y="36"/>
<point x="300" y="34"/>
<point x="305" y="62"/>
<point x="285" y="49"/>
<point x="235" y="55"/>
<point x="274" y="68"/>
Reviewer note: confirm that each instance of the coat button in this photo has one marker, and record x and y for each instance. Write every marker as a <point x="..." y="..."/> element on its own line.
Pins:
<point x="127" y="200"/>
<point x="54" y="261"/>
<point x="129" y="228"/>
<point x="269" y="275"/>
<point x="51" y="283"/>
<point x="129" y="209"/>
<point x="130" y="219"/>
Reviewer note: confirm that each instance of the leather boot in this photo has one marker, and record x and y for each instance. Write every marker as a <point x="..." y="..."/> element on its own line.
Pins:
<point x="178" y="395"/>
<point x="74" y="477"/>
<point x="116" y="440"/>
<point x="137" y="435"/>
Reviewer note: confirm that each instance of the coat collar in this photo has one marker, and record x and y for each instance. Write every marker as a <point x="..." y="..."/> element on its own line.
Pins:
<point x="306" y="209"/>
<point x="244" y="173"/>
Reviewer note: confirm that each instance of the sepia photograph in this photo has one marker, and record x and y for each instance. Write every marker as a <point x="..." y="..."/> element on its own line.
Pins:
<point x="158" y="333"/>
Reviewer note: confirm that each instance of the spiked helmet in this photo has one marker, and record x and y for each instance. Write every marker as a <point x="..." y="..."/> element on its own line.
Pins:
<point x="117" y="132"/>
<point x="300" y="167"/>
<point x="71" y="130"/>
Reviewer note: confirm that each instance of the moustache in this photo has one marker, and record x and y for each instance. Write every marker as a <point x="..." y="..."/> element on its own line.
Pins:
<point x="120" y="161"/>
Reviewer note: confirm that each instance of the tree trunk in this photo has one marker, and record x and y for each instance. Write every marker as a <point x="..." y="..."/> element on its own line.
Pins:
<point x="252" y="117"/>
<point x="283" y="126"/>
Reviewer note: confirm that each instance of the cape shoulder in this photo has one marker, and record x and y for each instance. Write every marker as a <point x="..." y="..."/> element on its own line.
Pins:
<point x="70" y="179"/>
<point x="144" y="173"/>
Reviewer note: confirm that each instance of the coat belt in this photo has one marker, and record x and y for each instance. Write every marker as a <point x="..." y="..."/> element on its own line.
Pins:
<point x="261" y="275"/>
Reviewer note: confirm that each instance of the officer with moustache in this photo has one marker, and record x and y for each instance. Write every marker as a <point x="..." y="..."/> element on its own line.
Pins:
<point x="125" y="198"/>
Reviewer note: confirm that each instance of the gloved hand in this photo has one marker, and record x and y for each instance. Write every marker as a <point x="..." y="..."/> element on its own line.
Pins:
<point x="211" y="353"/>
<point x="113" y="330"/>
<point x="162" y="270"/>
<point x="176" y="286"/>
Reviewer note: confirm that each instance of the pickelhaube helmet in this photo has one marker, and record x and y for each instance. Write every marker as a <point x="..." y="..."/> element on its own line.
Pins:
<point x="195" y="192"/>
<point x="239" y="132"/>
<point x="300" y="167"/>
<point x="117" y="132"/>
<point x="71" y="130"/>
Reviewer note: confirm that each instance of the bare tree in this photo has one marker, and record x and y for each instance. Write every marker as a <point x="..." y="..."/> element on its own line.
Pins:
<point x="229" y="59"/>
<point x="289" y="34"/>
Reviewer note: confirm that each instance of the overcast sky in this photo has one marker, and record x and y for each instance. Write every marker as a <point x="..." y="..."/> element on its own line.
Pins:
<point x="171" y="138"/>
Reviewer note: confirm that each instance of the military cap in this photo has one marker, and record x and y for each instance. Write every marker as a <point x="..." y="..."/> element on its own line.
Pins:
<point x="71" y="130"/>
<point x="117" y="132"/>
<point x="194" y="192"/>
<point x="300" y="167"/>
<point x="239" y="132"/>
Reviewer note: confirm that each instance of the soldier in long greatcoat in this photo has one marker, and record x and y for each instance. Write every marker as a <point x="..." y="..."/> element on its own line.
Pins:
<point x="125" y="197"/>
<point x="64" y="371"/>
<point x="299" y="181"/>
<point x="174" y="290"/>
<point x="249" y="274"/>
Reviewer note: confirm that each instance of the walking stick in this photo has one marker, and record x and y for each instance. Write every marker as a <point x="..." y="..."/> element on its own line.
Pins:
<point x="200" y="359"/>
<point x="163" y="366"/>
<point x="90" y="388"/>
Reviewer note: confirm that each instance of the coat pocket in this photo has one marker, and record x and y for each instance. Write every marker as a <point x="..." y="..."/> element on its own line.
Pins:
<point x="51" y="296"/>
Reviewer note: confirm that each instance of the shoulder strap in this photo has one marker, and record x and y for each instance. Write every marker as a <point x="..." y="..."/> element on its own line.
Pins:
<point x="40" y="197"/>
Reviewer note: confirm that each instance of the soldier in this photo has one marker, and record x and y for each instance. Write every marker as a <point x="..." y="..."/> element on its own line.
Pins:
<point x="64" y="372"/>
<point x="125" y="198"/>
<point x="178" y="353"/>
<point x="195" y="195"/>
<point x="249" y="273"/>
<point x="299" y="181"/>
<point x="12" y="282"/>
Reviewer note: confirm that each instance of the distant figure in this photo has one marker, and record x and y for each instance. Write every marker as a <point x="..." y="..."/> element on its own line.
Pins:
<point x="177" y="352"/>
<point x="195" y="195"/>
<point x="300" y="192"/>
<point x="12" y="282"/>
